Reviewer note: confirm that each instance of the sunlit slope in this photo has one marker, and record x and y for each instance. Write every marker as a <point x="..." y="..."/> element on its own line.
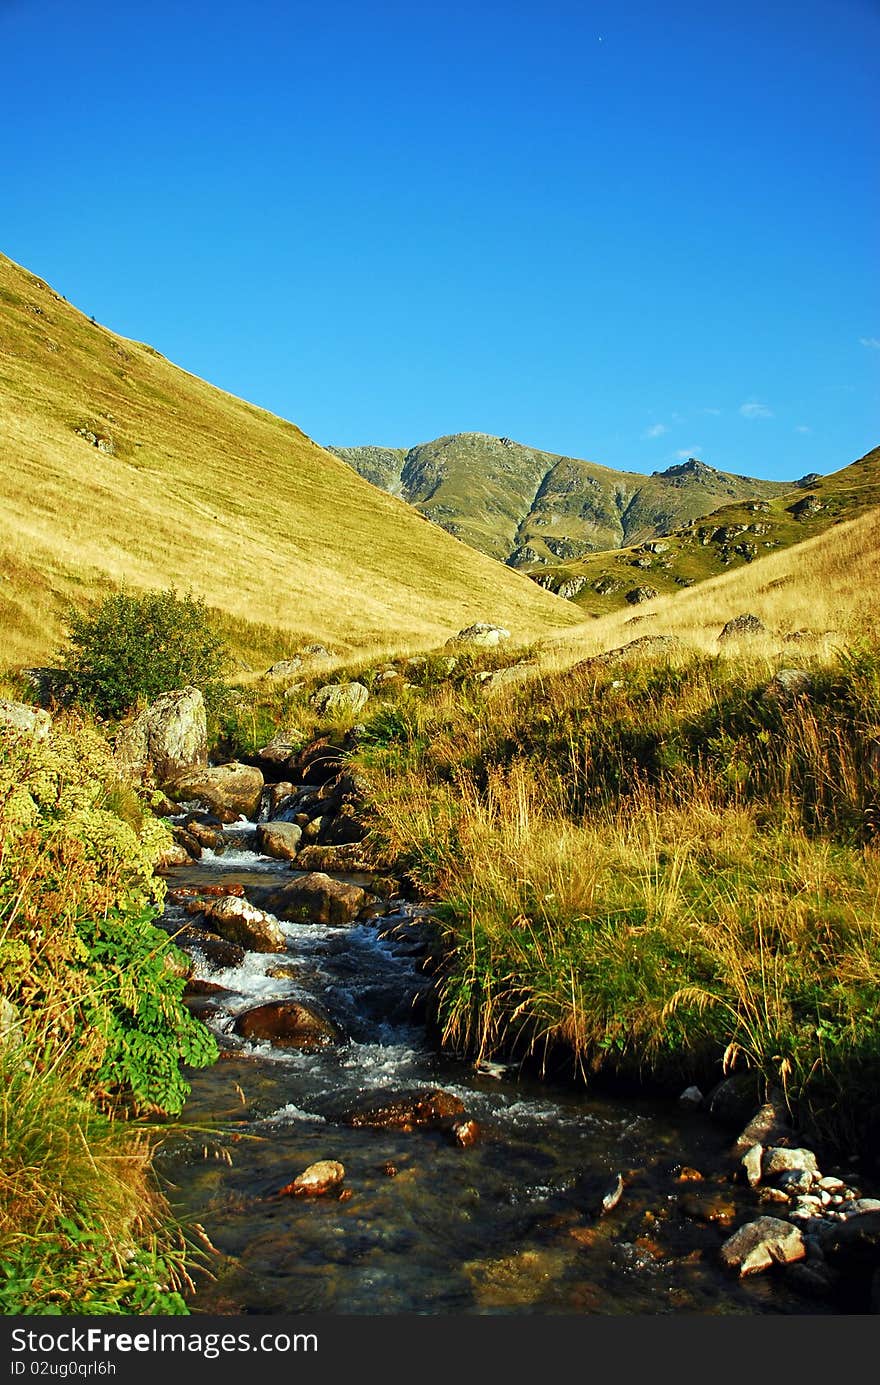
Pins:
<point x="531" y="508"/>
<point x="811" y="597"/>
<point x="118" y="466"/>
<point x="732" y="536"/>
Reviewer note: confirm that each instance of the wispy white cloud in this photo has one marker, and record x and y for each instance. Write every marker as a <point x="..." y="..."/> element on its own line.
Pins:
<point x="802" y="428"/>
<point x="656" y="430"/>
<point x="684" y="453"/>
<point x="873" y="343"/>
<point x="752" y="409"/>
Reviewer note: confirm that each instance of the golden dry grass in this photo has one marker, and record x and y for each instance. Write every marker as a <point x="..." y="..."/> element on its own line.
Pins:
<point x="828" y="586"/>
<point x="208" y="493"/>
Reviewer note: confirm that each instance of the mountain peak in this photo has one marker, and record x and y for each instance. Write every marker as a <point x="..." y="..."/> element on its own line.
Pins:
<point x="692" y="467"/>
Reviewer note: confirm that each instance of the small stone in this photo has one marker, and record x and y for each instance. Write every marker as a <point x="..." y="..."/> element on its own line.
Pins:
<point x="751" y="1164"/>
<point x="316" y="1180"/>
<point x="689" y="1175"/>
<point x="691" y="1096"/>
<point x="831" y="1185"/>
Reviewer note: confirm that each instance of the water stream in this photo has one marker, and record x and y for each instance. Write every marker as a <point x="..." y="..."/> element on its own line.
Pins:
<point x="505" y="1226"/>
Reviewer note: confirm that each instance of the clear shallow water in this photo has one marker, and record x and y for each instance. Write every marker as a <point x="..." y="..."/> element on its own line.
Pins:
<point x="506" y="1226"/>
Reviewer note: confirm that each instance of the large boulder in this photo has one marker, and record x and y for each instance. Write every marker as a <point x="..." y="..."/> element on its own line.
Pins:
<point x="279" y="839"/>
<point x="169" y="738"/>
<point x="240" y="922"/>
<point x="288" y="1024"/>
<point x="482" y="634"/>
<point x="315" y="898"/>
<point x="33" y="721"/>
<point x="742" y="627"/>
<point x="230" y="791"/>
<point x="340" y="699"/>
<point x="762" y="1243"/>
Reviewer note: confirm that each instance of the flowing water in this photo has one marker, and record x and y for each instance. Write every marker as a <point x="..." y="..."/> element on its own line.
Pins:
<point x="505" y="1226"/>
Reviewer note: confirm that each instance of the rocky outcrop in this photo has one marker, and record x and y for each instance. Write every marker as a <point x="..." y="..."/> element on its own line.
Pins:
<point x="231" y="791"/>
<point x="169" y="738"/>
<point x="340" y="699"/>
<point x="33" y="721"/>
<point x="744" y="627"/>
<point x="482" y="634"/>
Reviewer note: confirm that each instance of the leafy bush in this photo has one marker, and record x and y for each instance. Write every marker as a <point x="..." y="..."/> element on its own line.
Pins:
<point x="77" y="892"/>
<point x="138" y="645"/>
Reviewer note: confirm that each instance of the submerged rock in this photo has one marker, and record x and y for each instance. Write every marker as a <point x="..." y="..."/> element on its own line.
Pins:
<point x="423" y="1109"/>
<point x="216" y="951"/>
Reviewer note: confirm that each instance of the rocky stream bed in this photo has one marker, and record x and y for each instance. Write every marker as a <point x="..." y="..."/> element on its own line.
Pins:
<point x="339" y="1162"/>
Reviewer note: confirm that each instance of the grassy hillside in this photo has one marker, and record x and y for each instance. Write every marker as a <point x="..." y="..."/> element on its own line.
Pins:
<point x="119" y="467"/>
<point x="728" y="538"/>
<point x="665" y="865"/>
<point x="823" y="591"/>
<point x="531" y="508"/>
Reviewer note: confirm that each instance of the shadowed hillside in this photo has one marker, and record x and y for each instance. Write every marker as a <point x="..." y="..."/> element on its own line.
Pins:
<point x="119" y="467"/>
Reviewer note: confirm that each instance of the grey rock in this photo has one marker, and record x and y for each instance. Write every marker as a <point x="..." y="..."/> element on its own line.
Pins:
<point x="240" y="922"/>
<point x="794" y="1181"/>
<point x="482" y="634"/>
<point x="691" y="1096"/>
<point x="742" y="627"/>
<point x="778" y="1160"/>
<point x="10" y="1024"/>
<point x="762" y="1243"/>
<point x="767" y="1126"/>
<point x="279" y="839"/>
<point x="168" y="738"/>
<point x="751" y="1164"/>
<point x="32" y="721"/>
<point x="340" y="699"/>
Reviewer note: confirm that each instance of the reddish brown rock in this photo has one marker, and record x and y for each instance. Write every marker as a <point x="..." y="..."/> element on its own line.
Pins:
<point x="288" y="1024"/>
<point x="425" y="1109"/>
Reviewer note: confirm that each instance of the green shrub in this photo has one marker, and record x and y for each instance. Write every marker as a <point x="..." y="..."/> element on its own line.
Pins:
<point x="138" y="645"/>
<point x="78" y="897"/>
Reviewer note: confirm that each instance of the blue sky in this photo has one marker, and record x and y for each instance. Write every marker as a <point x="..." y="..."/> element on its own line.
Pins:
<point x="621" y="230"/>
